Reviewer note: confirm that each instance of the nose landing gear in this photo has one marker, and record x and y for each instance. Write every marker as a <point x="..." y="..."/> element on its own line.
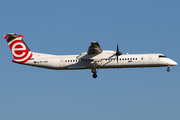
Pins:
<point x="168" y="69"/>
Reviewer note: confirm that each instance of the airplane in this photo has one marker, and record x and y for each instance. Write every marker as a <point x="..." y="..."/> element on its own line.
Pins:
<point x="95" y="58"/>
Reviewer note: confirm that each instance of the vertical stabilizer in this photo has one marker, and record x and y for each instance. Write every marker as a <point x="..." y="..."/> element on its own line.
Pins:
<point x="19" y="49"/>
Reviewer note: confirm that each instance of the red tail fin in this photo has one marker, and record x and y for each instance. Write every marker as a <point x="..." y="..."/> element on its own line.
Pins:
<point x="19" y="49"/>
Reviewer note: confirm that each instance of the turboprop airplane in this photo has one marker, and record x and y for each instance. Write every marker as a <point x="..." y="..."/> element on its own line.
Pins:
<point x="95" y="58"/>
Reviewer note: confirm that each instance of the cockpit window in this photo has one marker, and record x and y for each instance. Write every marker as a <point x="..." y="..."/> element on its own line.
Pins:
<point x="162" y="56"/>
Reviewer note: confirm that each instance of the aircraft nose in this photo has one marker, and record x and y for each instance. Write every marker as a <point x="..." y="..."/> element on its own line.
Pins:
<point x="173" y="63"/>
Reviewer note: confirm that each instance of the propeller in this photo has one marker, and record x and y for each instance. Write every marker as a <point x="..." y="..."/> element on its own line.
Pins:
<point x="118" y="53"/>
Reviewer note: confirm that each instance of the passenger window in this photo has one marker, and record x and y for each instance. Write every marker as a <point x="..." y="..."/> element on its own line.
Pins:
<point x="136" y="58"/>
<point x="141" y="58"/>
<point x="130" y="58"/>
<point x="122" y="58"/>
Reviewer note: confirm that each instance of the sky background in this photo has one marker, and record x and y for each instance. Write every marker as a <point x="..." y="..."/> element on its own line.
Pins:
<point x="68" y="27"/>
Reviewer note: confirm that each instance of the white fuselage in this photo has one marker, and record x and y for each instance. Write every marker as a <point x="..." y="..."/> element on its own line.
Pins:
<point x="106" y="59"/>
<point x="94" y="58"/>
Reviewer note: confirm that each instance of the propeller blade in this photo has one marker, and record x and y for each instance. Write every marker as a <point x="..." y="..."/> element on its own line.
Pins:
<point x="117" y="49"/>
<point x="118" y="53"/>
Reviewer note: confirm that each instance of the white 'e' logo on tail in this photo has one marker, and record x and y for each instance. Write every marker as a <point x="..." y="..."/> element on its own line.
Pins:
<point x="18" y="49"/>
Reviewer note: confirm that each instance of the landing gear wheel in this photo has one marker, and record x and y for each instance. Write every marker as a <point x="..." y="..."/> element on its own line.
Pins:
<point x="94" y="75"/>
<point x="168" y="69"/>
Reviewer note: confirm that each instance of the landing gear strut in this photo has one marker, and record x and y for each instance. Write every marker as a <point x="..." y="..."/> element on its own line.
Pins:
<point x="168" y="69"/>
<point x="93" y="70"/>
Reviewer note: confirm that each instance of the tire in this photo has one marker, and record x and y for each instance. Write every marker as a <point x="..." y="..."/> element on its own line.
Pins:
<point x="94" y="75"/>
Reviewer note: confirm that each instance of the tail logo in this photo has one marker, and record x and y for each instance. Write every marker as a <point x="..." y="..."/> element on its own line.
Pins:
<point x="19" y="48"/>
<point x="20" y="51"/>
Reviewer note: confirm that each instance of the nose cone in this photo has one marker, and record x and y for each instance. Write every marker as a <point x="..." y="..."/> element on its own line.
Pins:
<point x="173" y="63"/>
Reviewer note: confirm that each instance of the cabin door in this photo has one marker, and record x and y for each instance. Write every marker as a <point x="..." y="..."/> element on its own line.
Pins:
<point x="151" y="60"/>
<point x="61" y="61"/>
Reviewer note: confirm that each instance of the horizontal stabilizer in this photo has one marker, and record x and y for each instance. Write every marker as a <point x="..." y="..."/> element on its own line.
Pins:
<point x="12" y="35"/>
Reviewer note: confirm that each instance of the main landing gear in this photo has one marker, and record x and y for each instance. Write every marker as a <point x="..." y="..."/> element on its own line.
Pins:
<point x="93" y="70"/>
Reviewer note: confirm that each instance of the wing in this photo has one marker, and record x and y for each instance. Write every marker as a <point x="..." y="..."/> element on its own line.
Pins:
<point x="94" y="48"/>
<point x="94" y="52"/>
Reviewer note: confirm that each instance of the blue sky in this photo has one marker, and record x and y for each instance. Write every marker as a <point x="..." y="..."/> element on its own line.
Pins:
<point x="68" y="27"/>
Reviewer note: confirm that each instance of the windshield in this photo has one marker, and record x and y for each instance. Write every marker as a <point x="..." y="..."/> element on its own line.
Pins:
<point x="162" y="56"/>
